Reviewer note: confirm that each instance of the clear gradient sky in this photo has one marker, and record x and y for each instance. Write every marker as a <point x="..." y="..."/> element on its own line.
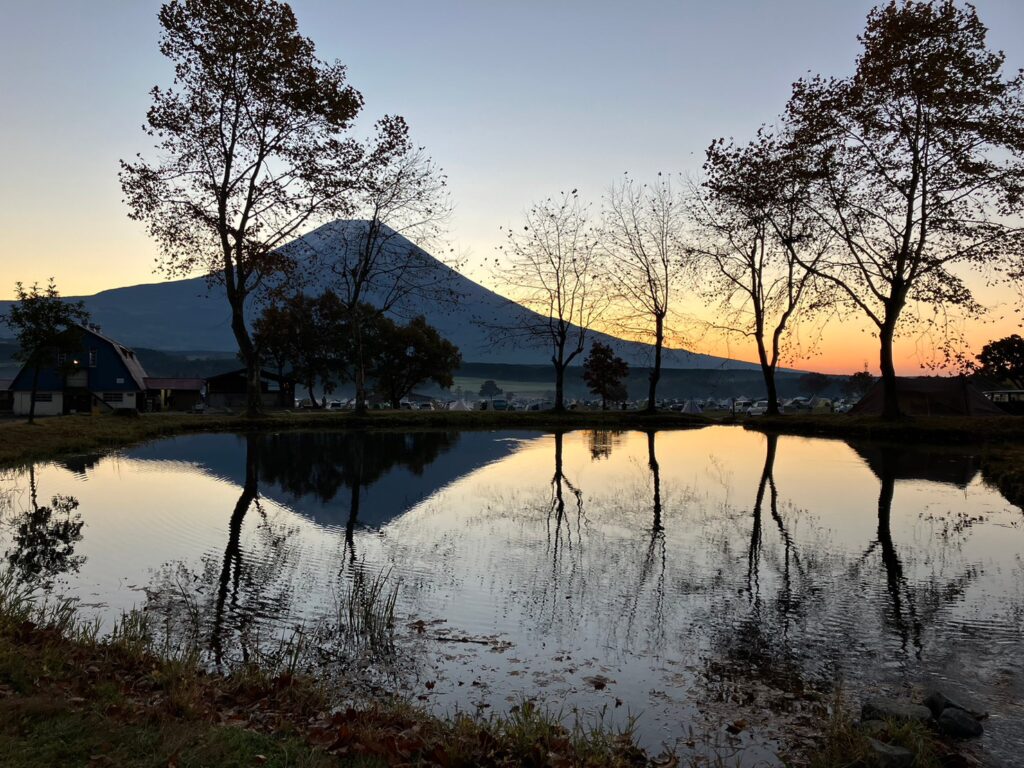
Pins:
<point x="516" y="100"/>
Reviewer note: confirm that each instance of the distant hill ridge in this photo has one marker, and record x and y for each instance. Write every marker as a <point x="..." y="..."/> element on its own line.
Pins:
<point x="190" y="314"/>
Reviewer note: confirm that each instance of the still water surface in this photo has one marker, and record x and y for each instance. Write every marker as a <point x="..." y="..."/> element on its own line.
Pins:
<point x="689" y="578"/>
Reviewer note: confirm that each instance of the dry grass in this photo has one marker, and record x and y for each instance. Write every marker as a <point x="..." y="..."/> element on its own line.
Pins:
<point x="70" y="698"/>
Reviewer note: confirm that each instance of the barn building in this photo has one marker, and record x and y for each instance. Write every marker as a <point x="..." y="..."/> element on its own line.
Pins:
<point x="101" y="376"/>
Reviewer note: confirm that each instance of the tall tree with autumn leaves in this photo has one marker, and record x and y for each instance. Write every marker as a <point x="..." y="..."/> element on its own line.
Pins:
<point x="917" y="162"/>
<point x="254" y="144"/>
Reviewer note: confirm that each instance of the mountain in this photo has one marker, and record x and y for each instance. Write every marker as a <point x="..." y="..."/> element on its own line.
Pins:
<point x="388" y="493"/>
<point x="191" y="314"/>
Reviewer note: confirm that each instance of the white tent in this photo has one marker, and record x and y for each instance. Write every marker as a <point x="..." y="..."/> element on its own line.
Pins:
<point x="459" y="405"/>
<point x="691" y="407"/>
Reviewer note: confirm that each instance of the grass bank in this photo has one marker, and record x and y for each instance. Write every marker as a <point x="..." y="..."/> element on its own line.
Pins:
<point x="68" y="697"/>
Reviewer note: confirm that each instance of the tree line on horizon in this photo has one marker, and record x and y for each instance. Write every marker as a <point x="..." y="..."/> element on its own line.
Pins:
<point x="867" y="200"/>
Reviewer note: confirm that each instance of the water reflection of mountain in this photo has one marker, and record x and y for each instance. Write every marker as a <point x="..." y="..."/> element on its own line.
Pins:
<point x="914" y="462"/>
<point x="308" y="471"/>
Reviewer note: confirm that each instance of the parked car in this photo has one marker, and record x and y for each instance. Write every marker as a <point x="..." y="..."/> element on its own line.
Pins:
<point x="760" y="408"/>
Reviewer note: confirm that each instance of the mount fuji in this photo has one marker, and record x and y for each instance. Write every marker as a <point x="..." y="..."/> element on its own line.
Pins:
<point x="192" y="314"/>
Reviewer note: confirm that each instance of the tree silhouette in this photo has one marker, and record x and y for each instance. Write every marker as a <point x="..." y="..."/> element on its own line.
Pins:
<point x="553" y="263"/>
<point x="918" y="169"/>
<point x="253" y="146"/>
<point x="489" y="389"/>
<point x="646" y="255"/>
<point x="603" y="371"/>
<point x="1004" y="359"/>
<point x="408" y="355"/>
<point x="754" y="229"/>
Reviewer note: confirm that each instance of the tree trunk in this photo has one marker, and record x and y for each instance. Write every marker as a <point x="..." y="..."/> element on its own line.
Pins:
<point x="32" y="395"/>
<point x="659" y="339"/>
<point x="891" y="402"/>
<point x="360" y="372"/>
<point x="767" y="366"/>
<point x="254" y="403"/>
<point x="280" y="388"/>
<point x="773" y="394"/>
<point x="559" y="386"/>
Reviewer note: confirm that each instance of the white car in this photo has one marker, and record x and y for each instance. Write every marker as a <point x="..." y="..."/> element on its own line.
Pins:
<point x="760" y="408"/>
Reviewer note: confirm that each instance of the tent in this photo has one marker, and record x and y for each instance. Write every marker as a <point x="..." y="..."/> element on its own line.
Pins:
<point x="691" y="407"/>
<point x="930" y="396"/>
<point x="819" y="404"/>
<point x="459" y="405"/>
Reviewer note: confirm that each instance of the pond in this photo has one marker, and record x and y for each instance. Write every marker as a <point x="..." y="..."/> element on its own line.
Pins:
<point x="688" y="579"/>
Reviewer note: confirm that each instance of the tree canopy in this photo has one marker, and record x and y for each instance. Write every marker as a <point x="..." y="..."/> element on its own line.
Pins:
<point x="253" y="139"/>
<point x="409" y="355"/>
<point x="1004" y="359"/>
<point x="917" y="163"/>
<point x="604" y="372"/>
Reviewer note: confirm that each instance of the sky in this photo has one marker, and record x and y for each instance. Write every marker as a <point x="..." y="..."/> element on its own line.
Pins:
<point x="516" y="101"/>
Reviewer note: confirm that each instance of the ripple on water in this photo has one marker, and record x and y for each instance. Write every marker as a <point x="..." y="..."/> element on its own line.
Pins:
<point x="706" y="575"/>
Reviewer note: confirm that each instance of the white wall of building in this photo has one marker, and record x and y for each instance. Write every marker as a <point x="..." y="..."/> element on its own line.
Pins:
<point x="23" y="401"/>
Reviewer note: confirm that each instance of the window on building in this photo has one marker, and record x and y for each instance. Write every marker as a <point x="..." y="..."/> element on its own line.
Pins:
<point x="113" y="397"/>
<point x="62" y="358"/>
<point x="44" y="397"/>
<point x="92" y="358"/>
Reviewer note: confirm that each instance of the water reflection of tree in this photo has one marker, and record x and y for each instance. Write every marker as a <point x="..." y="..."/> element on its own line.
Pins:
<point x="322" y="464"/>
<point x="44" y="538"/>
<point x="760" y="644"/>
<point x="911" y="606"/>
<point x="256" y="584"/>
<point x="755" y="645"/>
<point x="655" y="556"/>
<point x="785" y="599"/>
<point x="559" y="525"/>
<point x="231" y="569"/>
<point x="602" y="441"/>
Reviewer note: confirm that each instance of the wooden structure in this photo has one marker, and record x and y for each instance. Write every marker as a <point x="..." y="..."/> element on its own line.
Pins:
<point x="174" y="394"/>
<point x="228" y="391"/>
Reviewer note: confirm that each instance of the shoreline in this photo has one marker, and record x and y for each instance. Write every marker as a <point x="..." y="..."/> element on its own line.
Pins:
<point x="1000" y="440"/>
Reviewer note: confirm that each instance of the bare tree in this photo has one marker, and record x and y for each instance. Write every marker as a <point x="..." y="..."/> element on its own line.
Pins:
<point x="758" y="245"/>
<point x="254" y="148"/>
<point x="378" y="264"/>
<point x="643" y="239"/>
<point x="552" y="266"/>
<point x="919" y="159"/>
